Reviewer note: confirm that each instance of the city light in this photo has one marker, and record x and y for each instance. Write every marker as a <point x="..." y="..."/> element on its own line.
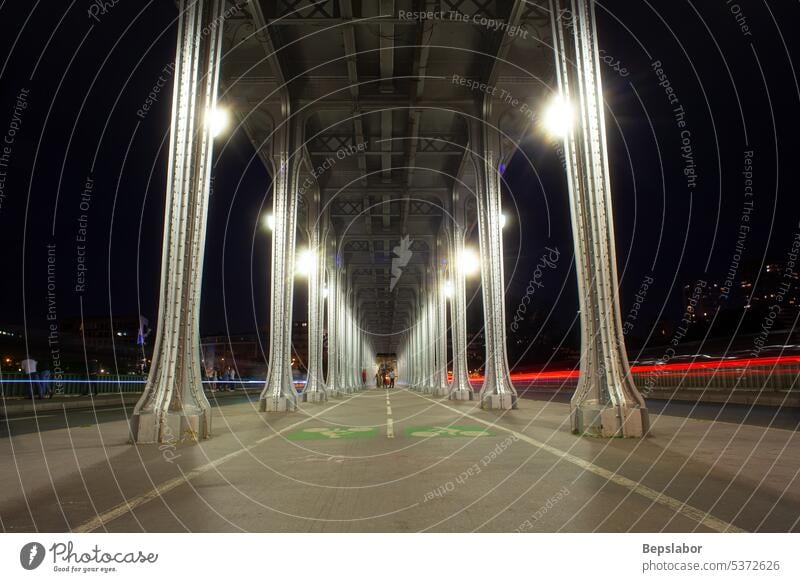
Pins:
<point x="218" y="121"/>
<point x="304" y="263"/>
<point x="468" y="262"/>
<point x="269" y="221"/>
<point x="447" y="289"/>
<point x="558" y="117"/>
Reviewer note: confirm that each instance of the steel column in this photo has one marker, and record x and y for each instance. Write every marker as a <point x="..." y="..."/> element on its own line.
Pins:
<point x="606" y="401"/>
<point x="315" y="390"/>
<point x="333" y="384"/>
<point x="460" y="389"/>
<point x="279" y="394"/>
<point x="497" y="391"/>
<point x="173" y="406"/>
<point x="441" y="387"/>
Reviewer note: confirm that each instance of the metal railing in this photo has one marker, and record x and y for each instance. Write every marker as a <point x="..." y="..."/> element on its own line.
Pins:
<point x="17" y="385"/>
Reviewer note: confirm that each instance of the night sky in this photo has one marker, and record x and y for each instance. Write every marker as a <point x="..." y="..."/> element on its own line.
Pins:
<point x="83" y="81"/>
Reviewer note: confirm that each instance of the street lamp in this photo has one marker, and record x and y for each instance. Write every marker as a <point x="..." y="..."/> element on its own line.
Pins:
<point x="558" y="117"/>
<point x="304" y="263"/>
<point x="468" y="262"/>
<point x="218" y="120"/>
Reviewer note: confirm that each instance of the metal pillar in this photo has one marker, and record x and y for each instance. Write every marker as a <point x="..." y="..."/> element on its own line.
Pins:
<point x="341" y="336"/>
<point x="441" y="387"/>
<point x="173" y="406"/>
<point x="431" y="330"/>
<point x="357" y="349"/>
<point x="344" y="337"/>
<point x="279" y="394"/>
<point x="497" y="391"/>
<point x="334" y="347"/>
<point x="349" y="385"/>
<point x="606" y="401"/>
<point x="419" y="352"/>
<point x="460" y="389"/>
<point x="413" y="352"/>
<point x="315" y="390"/>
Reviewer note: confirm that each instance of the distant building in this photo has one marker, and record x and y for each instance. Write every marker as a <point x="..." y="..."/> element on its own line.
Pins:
<point x="775" y="286"/>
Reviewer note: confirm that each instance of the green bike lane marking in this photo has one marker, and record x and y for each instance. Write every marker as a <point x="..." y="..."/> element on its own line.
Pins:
<point x="127" y="506"/>
<point x="682" y="507"/>
<point x="332" y="433"/>
<point x="450" y="431"/>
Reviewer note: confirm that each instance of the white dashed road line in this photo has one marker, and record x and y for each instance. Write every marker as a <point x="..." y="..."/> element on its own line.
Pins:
<point x="389" y="420"/>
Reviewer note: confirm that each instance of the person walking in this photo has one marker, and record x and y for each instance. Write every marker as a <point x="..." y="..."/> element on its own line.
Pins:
<point x="28" y="366"/>
<point x="363" y="376"/>
<point x="44" y="384"/>
<point x="229" y="379"/>
<point x="391" y="378"/>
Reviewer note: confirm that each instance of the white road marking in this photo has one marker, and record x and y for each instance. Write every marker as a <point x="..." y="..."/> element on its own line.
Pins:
<point x="684" y="509"/>
<point x="28" y="417"/>
<point x="389" y="420"/>
<point x="130" y="504"/>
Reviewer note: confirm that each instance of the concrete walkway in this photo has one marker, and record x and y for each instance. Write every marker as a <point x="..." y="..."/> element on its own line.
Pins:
<point x="397" y="461"/>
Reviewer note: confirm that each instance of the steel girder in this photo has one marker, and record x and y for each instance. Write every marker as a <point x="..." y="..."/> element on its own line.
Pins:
<point x="173" y="406"/>
<point x="606" y="402"/>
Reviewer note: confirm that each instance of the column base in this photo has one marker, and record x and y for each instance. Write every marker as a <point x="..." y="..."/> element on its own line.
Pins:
<point x="150" y="428"/>
<point x="441" y="391"/>
<point x="282" y="404"/>
<point x="498" y="402"/>
<point x="316" y="396"/>
<point x="461" y="395"/>
<point x="608" y="421"/>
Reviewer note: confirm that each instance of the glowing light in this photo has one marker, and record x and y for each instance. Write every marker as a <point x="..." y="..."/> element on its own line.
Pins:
<point x="269" y="221"/>
<point x="324" y="291"/>
<point x="558" y="117"/>
<point x="468" y="262"/>
<point x="218" y="120"/>
<point x="503" y="220"/>
<point x="304" y="263"/>
<point x="447" y="289"/>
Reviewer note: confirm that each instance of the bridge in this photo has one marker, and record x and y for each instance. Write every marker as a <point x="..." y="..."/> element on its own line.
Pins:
<point x="382" y="157"/>
<point x="386" y="128"/>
